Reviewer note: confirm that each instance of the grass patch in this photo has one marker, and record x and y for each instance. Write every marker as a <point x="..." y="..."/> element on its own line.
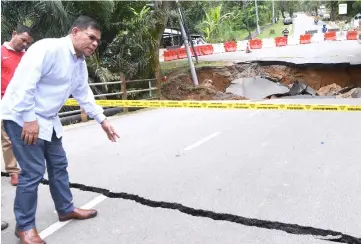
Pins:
<point x="169" y="66"/>
<point x="276" y="30"/>
<point x="243" y="34"/>
<point x="230" y="35"/>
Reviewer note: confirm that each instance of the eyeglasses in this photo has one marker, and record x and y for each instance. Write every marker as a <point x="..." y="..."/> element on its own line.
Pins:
<point x="93" y="38"/>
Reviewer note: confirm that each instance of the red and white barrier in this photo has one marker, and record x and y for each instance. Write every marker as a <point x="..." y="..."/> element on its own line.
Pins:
<point x="318" y="37"/>
<point x="291" y="41"/>
<point x="208" y="49"/>
<point x="218" y="48"/>
<point x="242" y="45"/>
<point x="268" y="42"/>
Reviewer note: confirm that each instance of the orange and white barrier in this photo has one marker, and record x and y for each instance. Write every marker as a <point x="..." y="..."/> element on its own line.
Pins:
<point x="268" y="42"/>
<point x="305" y="39"/>
<point x="242" y="45"/>
<point x="218" y="48"/>
<point x="351" y="35"/>
<point x="330" y="36"/>
<point x="232" y="46"/>
<point x="291" y="41"/>
<point x="255" y="44"/>
<point x="281" y="41"/>
<point x="341" y="36"/>
<point x="318" y="37"/>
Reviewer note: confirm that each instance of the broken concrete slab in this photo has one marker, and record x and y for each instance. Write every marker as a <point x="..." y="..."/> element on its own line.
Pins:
<point x="332" y="89"/>
<point x="305" y="96"/>
<point x="256" y="88"/>
<point x="353" y="93"/>
<point x="260" y="88"/>
<point x="299" y="88"/>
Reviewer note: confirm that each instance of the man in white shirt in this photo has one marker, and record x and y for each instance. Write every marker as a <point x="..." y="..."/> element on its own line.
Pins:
<point x="50" y="71"/>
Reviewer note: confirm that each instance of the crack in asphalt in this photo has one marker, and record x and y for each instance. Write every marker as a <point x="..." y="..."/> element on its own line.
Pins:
<point x="327" y="235"/>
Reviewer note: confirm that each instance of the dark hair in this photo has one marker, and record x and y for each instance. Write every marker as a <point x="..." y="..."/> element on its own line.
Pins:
<point x="84" y="22"/>
<point x="22" y="29"/>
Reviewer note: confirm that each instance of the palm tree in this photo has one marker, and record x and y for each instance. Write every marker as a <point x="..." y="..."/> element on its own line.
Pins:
<point x="47" y="18"/>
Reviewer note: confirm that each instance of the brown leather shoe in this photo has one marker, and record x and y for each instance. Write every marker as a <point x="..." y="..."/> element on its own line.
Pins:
<point x="79" y="214"/>
<point x="14" y="179"/>
<point x="4" y="225"/>
<point x="29" y="237"/>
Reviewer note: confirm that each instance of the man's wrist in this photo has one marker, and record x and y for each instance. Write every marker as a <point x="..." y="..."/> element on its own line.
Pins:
<point x="100" y="118"/>
<point x="104" y="120"/>
<point x="29" y="116"/>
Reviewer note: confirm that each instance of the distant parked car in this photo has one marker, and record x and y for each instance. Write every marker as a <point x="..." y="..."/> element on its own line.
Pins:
<point x="355" y="22"/>
<point x="287" y="21"/>
<point x="326" y="17"/>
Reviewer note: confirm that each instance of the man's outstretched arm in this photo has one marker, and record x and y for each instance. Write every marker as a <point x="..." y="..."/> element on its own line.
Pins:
<point x="85" y="97"/>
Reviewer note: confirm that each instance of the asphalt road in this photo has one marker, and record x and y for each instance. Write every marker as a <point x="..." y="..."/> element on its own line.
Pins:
<point x="291" y="167"/>
<point x="303" y="23"/>
<point x="325" y="52"/>
<point x="321" y="52"/>
<point x="270" y="170"/>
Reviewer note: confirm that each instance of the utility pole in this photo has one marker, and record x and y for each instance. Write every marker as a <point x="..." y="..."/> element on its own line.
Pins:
<point x="273" y="12"/>
<point x="186" y="44"/>
<point x="187" y="33"/>
<point x="257" y="20"/>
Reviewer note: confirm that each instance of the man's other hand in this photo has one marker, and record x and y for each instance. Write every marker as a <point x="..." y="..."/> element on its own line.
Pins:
<point x="111" y="133"/>
<point x="30" y="132"/>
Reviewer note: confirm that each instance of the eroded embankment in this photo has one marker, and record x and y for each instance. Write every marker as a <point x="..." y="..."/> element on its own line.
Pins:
<point x="339" y="80"/>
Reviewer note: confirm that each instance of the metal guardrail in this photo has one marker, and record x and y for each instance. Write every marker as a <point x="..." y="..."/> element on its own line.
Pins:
<point x="123" y="91"/>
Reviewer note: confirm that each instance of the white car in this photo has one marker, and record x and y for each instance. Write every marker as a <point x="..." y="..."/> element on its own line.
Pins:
<point x="356" y="21"/>
<point x="326" y="17"/>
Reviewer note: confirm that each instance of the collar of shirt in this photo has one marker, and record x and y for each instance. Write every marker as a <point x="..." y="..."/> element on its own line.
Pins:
<point x="6" y="44"/>
<point x="71" y="48"/>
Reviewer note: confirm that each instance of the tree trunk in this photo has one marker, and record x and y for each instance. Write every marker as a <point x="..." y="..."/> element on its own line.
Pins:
<point x="291" y="12"/>
<point x="161" y="9"/>
<point x="333" y="10"/>
<point x="333" y="5"/>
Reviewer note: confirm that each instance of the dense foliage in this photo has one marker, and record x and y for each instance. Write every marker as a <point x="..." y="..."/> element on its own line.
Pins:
<point x="132" y="30"/>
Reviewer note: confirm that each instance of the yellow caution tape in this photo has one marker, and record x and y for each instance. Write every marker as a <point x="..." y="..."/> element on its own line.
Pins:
<point x="219" y="105"/>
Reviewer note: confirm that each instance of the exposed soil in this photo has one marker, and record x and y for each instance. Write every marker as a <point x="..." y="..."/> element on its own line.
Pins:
<point x="213" y="82"/>
<point x="326" y="79"/>
<point x="314" y="75"/>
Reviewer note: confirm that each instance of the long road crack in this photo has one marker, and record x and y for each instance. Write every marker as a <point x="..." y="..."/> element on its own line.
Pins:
<point x="328" y="235"/>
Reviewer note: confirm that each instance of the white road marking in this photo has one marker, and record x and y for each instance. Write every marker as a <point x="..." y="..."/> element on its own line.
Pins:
<point x="254" y="113"/>
<point x="58" y="225"/>
<point x="202" y="141"/>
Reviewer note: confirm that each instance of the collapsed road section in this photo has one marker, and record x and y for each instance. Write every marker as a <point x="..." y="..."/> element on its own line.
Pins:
<point x="266" y="80"/>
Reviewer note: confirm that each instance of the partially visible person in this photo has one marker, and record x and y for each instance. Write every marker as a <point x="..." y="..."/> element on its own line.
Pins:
<point x="285" y="32"/>
<point x="324" y="29"/>
<point x="315" y="20"/>
<point x="51" y="70"/>
<point x="11" y="54"/>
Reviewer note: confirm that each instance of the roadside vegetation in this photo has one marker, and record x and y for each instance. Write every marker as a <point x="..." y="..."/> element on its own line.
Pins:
<point x="275" y="30"/>
<point x="132" y="30"/>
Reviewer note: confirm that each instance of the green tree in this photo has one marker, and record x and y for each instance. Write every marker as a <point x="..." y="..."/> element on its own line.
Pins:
<point x="211" y="25"/>
<point x="47" y="18"/>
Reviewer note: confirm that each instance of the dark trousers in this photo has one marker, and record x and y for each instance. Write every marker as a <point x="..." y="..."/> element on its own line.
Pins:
<point x="31" y="159"/>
